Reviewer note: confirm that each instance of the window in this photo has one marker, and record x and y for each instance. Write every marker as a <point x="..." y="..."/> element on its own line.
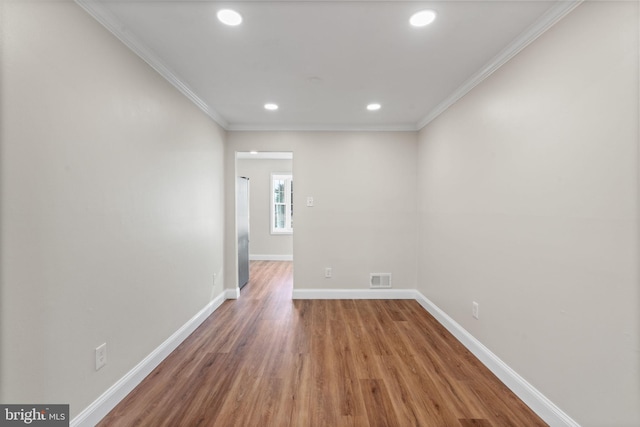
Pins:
<point x="281" y="204"/>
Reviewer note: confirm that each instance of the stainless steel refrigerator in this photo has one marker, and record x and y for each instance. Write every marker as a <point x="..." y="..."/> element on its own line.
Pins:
<point x="242" y="221"/>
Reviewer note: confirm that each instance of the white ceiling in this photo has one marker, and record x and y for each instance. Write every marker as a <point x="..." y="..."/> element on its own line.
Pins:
<point x="322" y="62"/>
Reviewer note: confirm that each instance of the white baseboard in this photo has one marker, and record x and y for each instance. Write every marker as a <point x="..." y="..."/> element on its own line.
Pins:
<point x="354" y="294"/>
<point x="255" y="257"/>
<point x="232" y="293"/>
<point x="539" y="403"/>
<point x="91" y="415"/>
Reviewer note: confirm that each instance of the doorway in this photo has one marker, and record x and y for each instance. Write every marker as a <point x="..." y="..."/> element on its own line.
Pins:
<point x="270" y="202"/>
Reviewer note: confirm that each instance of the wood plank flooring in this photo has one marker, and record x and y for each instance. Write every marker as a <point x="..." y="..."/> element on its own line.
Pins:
<point x="265" y="360"/>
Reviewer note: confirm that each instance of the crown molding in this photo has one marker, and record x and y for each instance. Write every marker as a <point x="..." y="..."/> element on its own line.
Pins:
<point x="104" y="17"/>
<point x="321" y="128"/>
<point x="112" y="24"/>
<point x="548" y="20"/>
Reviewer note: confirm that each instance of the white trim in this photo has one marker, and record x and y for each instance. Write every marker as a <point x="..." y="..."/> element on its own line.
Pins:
<point x="538" y="402"/>
<point x="549" y="19"/>
<point x="354" y="294"/>
<point x="92" y="414"/>
<point x="111" y="23"/>
<point x="232" y="293"/>
<point x="255" y="257"/>
<point x="251" y="127"/>
<point x="106" y="18"/>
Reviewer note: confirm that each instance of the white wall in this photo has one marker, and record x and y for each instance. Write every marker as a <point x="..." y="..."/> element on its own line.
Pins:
<point x="529" y="206"/>
<point x="263" y="244"/>
<point x="111" y="206"/>
<point x="363" y="221"/>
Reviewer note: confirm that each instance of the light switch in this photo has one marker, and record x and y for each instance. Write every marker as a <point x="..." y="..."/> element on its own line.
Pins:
<point x="309" y="201"/>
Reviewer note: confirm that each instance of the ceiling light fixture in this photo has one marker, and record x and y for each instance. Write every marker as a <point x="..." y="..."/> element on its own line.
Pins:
<point x="271" y="107"/>
<point x="422" y="18"/>
<point x="229" y="17"/>
<point x="373" y="107"/>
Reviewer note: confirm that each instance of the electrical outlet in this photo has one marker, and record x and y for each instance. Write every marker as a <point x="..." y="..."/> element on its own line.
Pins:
<point x="475" y="309"/>
<point x="328" y="272"/>
<point x="101" y="356"/>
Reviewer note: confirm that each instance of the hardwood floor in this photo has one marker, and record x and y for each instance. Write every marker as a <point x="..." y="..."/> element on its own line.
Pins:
<point x="265" y="360"/>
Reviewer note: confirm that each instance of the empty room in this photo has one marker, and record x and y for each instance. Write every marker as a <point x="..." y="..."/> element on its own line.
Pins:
<point x="322" y="213"/>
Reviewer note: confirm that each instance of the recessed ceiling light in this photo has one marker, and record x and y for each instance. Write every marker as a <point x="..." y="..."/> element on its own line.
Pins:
<point x="422" y="18"/>
<point x="229" y="17"/>
<point x="253" y="152"/>
<point x="373" y="107"/>
<point x="271" y="107"/>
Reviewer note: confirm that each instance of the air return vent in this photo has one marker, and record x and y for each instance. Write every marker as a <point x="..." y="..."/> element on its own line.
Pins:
<point x="380" y="280"/>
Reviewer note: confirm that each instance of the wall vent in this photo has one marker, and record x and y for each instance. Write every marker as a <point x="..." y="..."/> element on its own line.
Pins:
<point x="380" y="280"/>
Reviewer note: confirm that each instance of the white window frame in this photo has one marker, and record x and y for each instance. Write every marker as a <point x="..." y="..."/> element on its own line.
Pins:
<point x="288" y="179"/>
